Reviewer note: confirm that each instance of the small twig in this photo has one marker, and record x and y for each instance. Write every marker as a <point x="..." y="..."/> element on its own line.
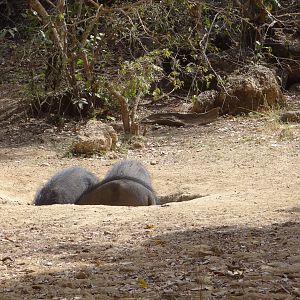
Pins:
<point x="285" y="289"/>
<point x="6" y="238"/>
<point x="288" y="15"/>
<point x="82" y="21"/>
<point x="6" y="258"/>
<point x="205" y="56"/>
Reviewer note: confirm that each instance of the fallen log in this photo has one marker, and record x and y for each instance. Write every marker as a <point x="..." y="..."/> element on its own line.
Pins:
<point x="290" y="116"/>
<point x="181" y="119"/>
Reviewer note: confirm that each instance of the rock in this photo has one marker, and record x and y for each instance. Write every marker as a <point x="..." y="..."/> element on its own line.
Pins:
<point x="249" y="90"/>
<point x="205" y="101"/>
<point x="186" y="107"/>
<point x="290" y="116"/>
<point x="81" y="275"/>
<point x="117" y="126"/>
<point x="138" y="145"/>
<point x="95" y="137"/>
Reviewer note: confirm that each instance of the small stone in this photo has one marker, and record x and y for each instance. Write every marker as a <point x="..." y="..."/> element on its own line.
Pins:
<point x="36" y="287"/>
<point x="49" y="130"/>
<point x="45" y="165"/>
<point x="81" y="275"/>
<point x="138" y="145"/>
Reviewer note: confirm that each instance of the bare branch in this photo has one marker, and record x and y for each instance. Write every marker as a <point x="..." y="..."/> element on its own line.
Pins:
<point x="91" y="25"/>
<point x="86" y="65"/>
<point x="97" y="5"/>
<point x="135" y="106"/>
<point x="206" y="36"/>
<point x="41" y="11"/>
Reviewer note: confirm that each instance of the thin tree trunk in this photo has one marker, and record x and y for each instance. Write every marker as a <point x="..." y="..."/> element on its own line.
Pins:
<point x="134" y="124"/>
<point x="123" y="106"/>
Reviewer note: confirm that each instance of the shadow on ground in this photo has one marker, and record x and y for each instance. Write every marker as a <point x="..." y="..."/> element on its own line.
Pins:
<point x="204" y="263"/>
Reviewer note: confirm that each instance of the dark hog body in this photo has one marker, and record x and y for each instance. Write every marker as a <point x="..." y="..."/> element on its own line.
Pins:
<point x="128" y="183"/>
<point x="65" y="187"/>
<point x="129" y="169"/>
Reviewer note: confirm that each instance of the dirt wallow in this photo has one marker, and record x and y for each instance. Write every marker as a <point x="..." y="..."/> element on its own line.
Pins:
<point x="128" y="183"/>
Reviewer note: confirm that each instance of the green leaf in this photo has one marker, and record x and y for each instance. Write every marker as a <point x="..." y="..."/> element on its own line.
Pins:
<point x="61" y="16"/>
<point x="143" y="283"/>
<point x="79" y="62"/>
<point x="167" y="53"/>
<point x="156" y="92"/>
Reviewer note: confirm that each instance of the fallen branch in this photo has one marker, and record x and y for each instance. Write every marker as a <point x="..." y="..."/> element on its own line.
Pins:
<point x="290" y="116"/>
<point x="179" y="119"/>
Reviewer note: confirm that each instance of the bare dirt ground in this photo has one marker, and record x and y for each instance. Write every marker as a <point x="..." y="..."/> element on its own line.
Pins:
<point x="239" y="239"/>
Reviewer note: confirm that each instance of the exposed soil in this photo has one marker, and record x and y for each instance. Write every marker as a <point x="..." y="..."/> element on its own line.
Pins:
<point x="239" y="239"/>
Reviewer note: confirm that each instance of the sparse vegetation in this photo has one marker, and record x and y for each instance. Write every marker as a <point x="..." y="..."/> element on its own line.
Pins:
<point x="91" y="55"/>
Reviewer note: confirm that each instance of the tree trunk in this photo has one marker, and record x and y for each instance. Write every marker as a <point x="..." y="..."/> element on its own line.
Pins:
<point x="123" y="106"/>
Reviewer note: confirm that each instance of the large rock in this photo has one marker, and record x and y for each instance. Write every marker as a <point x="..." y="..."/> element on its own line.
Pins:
<point x="249" y="90"/>
<point x="205" y="101"/>
<point x="95" y="137"/>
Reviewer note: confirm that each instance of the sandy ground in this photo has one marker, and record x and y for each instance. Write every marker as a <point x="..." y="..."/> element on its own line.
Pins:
<point x="239" y="240"/>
